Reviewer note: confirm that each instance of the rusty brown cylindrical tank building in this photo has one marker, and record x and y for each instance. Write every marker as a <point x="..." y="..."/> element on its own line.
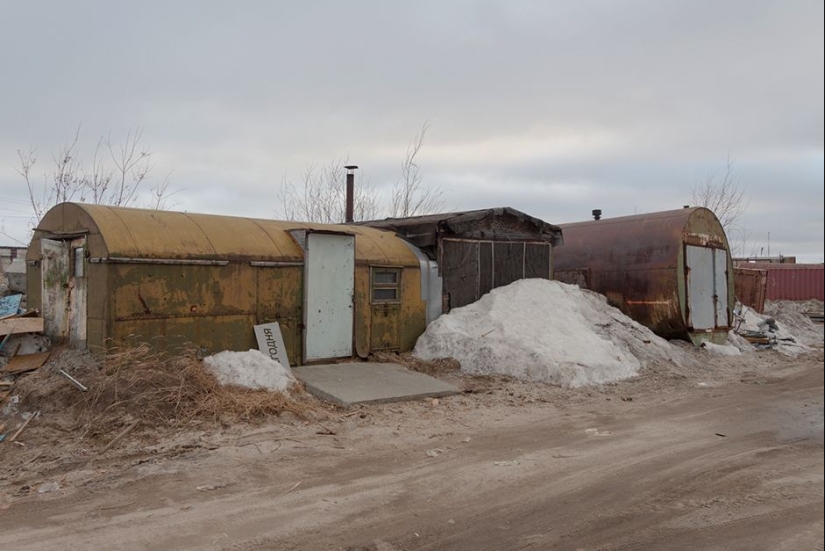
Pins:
<point x="670" y="271"/>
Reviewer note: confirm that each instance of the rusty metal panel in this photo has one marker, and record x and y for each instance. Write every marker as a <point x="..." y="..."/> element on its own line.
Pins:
<point x="210" y="333"/>
<point x="412" y="320"/>
<point x="750" y="287"/>
<point x="638" y="263"/>
<point x="279" y="297"/>
<point x="143" y="233"/>
<point x="159" y="291"/>
<point x="168" y="297"/>
<point x="384" y="326"/>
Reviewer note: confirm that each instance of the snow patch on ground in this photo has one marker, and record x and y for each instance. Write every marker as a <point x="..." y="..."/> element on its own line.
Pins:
<point x="250" y="369"/>
<point x="722" y="350"/>
<point x="546" y="331"/>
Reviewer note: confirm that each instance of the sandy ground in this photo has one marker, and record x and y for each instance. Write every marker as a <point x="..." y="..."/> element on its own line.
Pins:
<point x="726" y="454"/>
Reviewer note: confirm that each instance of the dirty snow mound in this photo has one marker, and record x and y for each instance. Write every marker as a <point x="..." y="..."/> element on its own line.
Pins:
<point x="546" y="331"/>
<point x="250" y="369"/>
<point x="753" y="323"/>
<point x="722" y="350"/>
<point x="790" y="314"/>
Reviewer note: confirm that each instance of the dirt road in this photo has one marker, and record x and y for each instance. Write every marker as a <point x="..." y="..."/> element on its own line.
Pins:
<point x="730" y="461"/>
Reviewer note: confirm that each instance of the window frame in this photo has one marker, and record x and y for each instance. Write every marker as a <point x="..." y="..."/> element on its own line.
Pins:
<point x="374" y="286"/>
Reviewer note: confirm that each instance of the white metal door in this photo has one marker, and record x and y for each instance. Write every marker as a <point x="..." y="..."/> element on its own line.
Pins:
<point x="700" y="287"/>
<point x="54" y="275"/>
<point x="63" y="286"/>
<point x="329" y="284"/>
<point x="720" y="273"/>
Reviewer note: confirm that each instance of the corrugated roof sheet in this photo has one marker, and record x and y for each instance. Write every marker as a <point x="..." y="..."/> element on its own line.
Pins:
<point x="143" y="233"/>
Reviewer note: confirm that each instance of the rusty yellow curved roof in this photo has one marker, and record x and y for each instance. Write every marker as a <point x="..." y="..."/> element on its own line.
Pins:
<point x="141" y="233"/>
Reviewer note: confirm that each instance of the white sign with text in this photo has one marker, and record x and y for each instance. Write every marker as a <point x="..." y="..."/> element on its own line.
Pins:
<point x="271" y="342"/>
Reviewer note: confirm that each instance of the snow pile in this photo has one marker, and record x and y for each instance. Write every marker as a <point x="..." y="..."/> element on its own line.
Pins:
<point x="546" y="331"/>
<point x="722" y="350"/>
<point x="790" y="315"/>
<point x="250" y="369"/>
<point x="751" y="323"/>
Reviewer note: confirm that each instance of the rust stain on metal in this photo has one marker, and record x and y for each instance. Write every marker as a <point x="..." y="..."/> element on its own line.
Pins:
<point x="173" y="278"/>
<point x="146" y="309"/>
<point x="637" y="262"/>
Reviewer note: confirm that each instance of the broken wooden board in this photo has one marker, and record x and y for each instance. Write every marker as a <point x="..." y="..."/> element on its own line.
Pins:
<point x="24" y="363"/>
<point x="13" y="326"/>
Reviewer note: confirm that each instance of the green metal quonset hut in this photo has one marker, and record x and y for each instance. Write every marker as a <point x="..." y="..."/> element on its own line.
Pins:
<point x="670" y="271"/>
<point x="104" y="275"/>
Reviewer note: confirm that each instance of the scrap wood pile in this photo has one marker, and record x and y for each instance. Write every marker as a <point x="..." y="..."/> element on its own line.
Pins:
<point x="134" y="386"/>
<point x="20" y="356"/>
<point x="16" y="321"/>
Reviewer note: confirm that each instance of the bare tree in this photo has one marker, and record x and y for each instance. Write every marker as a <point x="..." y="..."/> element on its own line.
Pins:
<point x="723" y="194"/>
<point x="410" y="196"/>
<point x="321" y="196"/>
<point x="113" y="181"/>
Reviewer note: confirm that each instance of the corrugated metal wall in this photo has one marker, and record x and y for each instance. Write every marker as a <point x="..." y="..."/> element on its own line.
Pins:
<point x="793" y="281"/>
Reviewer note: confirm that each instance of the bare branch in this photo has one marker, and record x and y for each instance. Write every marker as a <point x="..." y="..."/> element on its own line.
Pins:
<point x="410" y="197"/>
<point x="160" y="194"/>
<point x="113" y="181"/>
<point x="321" y="195"/>
<point x="133" y="166"/>
<point x="724" y="195"/>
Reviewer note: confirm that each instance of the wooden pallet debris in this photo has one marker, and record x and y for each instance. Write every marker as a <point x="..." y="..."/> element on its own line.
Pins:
<point x="20" y="324"/>
<point x="25" y="363"/>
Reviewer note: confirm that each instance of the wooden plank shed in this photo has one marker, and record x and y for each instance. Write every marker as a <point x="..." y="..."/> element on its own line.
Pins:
<point x="480" y="250"/>
<point x="105" y="275"/>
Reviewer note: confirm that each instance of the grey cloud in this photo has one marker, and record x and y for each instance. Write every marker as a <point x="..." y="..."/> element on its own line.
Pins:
<point x="243" y="95"/>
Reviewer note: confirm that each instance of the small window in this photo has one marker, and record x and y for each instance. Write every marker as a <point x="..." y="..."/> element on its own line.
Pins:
<point x="386" y="284"/>
<point x="77" y="253"/>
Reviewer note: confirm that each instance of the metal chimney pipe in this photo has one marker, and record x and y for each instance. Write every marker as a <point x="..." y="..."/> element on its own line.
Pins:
<point x="348" y="215"/>
<point x="597" y="214"/>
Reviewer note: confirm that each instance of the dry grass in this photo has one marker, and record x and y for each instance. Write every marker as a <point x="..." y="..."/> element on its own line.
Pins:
<point x="432" y="368"/>
<point x="171" y="389"/>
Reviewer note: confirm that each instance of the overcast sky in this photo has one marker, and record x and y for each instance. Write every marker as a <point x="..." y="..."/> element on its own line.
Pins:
<point x="553" y="108"/>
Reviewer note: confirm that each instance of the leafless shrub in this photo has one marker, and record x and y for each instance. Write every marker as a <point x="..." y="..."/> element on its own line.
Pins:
<point x="410" y="196"/>
<point x="114" y="176"/>
<point x="321" y="196"/>
<point x="724" y="194"/>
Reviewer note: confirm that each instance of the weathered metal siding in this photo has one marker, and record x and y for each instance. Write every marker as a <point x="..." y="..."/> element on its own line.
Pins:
<point x="473" y="267"/>
<point x="152" y="277"/>
<point x="750" y="285"/>
<point x="794" y="281"/>
<point x="638" y="263"/>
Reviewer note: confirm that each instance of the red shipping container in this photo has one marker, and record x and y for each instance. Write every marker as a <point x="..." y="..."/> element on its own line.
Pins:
<point x="793" y="281"/>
